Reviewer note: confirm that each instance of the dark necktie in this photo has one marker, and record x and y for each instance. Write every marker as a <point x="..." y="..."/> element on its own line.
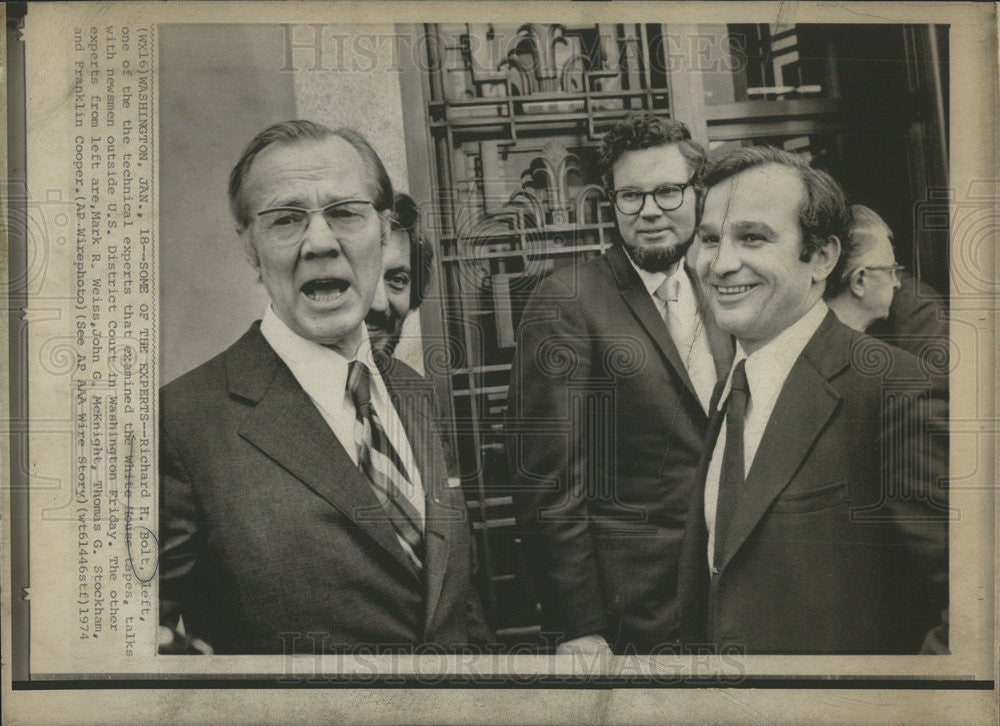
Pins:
<point x="731" y="475"/>
<point x="381" y="463"/>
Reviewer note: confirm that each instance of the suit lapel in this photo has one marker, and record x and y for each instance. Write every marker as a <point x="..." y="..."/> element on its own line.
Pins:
<point x="634" y="294"/>
<point x="801" y="412"/>
<point x="715" y="420"/>
<point x="412" y="398"/>
<point x="692" y="577"/>
<point x="285" y="424"/>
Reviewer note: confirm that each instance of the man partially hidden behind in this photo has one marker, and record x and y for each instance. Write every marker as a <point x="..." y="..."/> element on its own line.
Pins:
<point x="407" y="262"/>
<point x="821" y="518"/>
<point x="305" y="504"/>
<point x="914" y="318"/>
<point x="614" y="368"/>
<point x="862" y="291"/>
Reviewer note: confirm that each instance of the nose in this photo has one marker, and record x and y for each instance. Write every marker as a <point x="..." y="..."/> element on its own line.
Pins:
<point x="649" y="207"/>
<point x="380" y="303"/>
<point x="725" y="260"/>
<point x="319" y="240"/>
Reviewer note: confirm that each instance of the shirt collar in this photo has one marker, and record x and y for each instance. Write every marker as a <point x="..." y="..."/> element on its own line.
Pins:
<point x="770" y="365"/>
<point x="652" y="280"/>
<point x="314" y="365"/>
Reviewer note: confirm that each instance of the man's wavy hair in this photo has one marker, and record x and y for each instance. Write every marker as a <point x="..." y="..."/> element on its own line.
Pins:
<point x="287" y="132"/>
<point x="824" y="213"/>
<point x="406" y="218"/>
<point x="639" y="131"/>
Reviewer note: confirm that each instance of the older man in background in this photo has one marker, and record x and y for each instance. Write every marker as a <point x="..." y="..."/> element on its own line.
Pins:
<point x="862" y="291"/>
<point x="874" y="294"/>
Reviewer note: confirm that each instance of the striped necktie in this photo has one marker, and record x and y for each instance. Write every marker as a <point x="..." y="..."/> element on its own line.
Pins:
<point x="381" y="463"/>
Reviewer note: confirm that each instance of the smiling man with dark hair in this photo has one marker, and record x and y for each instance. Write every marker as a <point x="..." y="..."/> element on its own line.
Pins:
<point x="305" y="503"/>
<point x="820" y="521"/>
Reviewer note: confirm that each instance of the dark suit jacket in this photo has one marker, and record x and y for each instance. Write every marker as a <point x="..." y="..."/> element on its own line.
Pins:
<point x="838" y="542"/>
<point x="917" y="322"/>
<point x="269" y="531"/>
<point x="605" y="432"/>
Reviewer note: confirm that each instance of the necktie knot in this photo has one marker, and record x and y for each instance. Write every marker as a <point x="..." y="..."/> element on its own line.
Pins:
<point x="669" y="290"/>
<point x="359" y="386"/>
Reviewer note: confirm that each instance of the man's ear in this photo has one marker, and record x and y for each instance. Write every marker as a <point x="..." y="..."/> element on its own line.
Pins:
<point x="824" y="258"/>
<point x="856" y="282"/>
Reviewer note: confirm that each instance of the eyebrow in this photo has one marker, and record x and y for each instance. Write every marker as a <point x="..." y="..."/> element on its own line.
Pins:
<point x="742" y="226"/>
<point x="298" y="202"/>
<point x="754" y="226"/>
<point x="657" y="186"/>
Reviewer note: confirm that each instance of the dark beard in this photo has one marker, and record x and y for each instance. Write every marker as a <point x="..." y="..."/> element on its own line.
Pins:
<point x="383" y="347"/>
<point x="656" y="259"/>
<point x="383" y="340"/>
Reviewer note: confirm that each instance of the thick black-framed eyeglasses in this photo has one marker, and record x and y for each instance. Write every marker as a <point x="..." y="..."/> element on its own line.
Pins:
<point x="667" y="197"/>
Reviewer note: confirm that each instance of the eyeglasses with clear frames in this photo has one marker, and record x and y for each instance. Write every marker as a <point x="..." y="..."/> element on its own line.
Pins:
<point x="288" y="224"/>
<point x="667" y="197"/>
<point x="895" y="271"/>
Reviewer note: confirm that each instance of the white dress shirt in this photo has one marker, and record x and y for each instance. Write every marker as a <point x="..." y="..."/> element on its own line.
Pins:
<point x="684" y="323"/>
<point x="767" y="370"/>
<point x="322" y="373"/>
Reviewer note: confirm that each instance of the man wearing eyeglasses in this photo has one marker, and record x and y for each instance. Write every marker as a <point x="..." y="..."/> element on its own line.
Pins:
<point x="305" y="505"/>
<point x="820" y="524"/>
<point x="862" y="292"/>
<point x="615" y="364"/>
<point x="876" y="295"/>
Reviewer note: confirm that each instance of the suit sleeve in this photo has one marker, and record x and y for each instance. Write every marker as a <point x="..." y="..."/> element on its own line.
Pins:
<point x="479" y="632"/>
<point x="551" y="468"/>
<point x="917" y="322"/>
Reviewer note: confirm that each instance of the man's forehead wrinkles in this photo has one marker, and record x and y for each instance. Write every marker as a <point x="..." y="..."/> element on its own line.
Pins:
<point x="299" y="192"/>
<point x="309" y="172"/>
<point x="293" y="176"/>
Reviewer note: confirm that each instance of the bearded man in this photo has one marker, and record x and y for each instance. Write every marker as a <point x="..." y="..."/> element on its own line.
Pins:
<point x="615" y="365"/>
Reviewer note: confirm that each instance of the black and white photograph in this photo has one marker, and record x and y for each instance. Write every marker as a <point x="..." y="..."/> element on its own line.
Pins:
<point x="557" y="348"/>
<point x="600" y="269"/>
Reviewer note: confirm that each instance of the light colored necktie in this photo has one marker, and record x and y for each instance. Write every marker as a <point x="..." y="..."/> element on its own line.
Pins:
<point x="688" y="333"/>
<point x="381" y="463"/>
